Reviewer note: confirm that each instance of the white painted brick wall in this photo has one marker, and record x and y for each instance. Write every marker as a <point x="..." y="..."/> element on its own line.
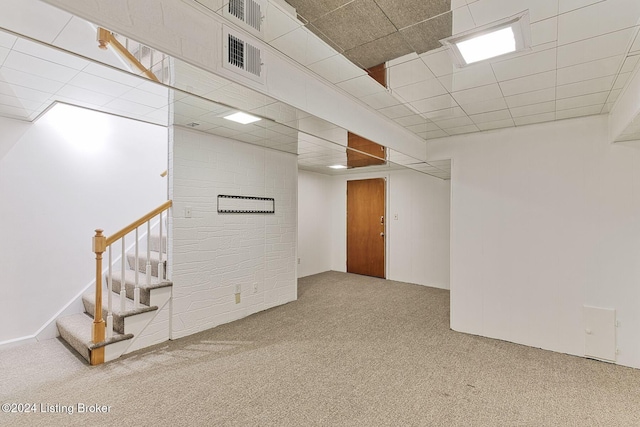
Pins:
<point x="212" y="252"/>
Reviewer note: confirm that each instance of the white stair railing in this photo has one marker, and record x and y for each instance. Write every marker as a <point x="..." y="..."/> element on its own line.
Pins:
<point x="102" y="243"/>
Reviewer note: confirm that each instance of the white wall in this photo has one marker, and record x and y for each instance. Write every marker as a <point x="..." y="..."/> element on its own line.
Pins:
<point x="71" y="172"/>
<point x="211" y="252"/>
<point x="545" y="219"/>
<point x="418" y="241"/>
<point x="314" y="223"/>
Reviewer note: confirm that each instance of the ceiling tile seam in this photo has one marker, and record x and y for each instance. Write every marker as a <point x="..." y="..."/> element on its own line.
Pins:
<point x="386" y="16"/>
<point x="64" y="27"/>
<point x="425" y="20"/>
<point x="405" y="103"/>
<point x="501" y="92"/>
<point x="619" y="30"/>
<point x="328" y="13"/>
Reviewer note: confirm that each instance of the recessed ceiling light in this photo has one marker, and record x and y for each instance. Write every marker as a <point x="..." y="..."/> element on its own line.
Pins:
<point x="338" y="167"/>
<point x="488" y="45"/>
<point x="490" y="41"/>
<point x="243" y="118"/>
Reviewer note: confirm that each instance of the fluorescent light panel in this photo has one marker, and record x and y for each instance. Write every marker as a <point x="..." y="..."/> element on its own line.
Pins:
<point x="488" y="45"/>
<point x="243" y="118"/>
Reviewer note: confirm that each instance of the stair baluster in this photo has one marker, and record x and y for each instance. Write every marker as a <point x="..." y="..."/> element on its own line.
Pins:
<point x="136" y="290"/>
<point x="109" y="300"/>
<point x="148" y="268"/>
<point x="161" y="263"/>
<point x="123" y="290"/>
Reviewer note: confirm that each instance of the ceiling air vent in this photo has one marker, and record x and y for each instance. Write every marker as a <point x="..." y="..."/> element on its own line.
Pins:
<point x="249" y="13"/>
<point x="242" y="56"/>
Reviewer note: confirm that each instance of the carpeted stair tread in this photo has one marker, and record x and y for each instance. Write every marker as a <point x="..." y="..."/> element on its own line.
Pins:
<point x="155" y="242"/>
<point x="88" y="299"/>
<point x="154" y="259"/>
<point x="76" y="330"/>
<point x="130" y="278"/>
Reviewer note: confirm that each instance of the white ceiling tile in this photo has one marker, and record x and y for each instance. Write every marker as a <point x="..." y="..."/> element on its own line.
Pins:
<point x="469" y="77"/>
<point x="30" y="81"/>
<point x="529" y="83"/>
<point x="154" y="88"/>
<point x="396" y="111"/>
<point x="317" y="49"/>
<point x="582" y="101"/>
<point x="454" y="123"/>
<point x="493" y="116"/>
<point x="534" y="109"/>
<point x="98" y="84"/>
<point x="115" y="75"/>
<point x="579" y="112"/>
<point x="434" y="134"/>
<point x="526" y="65"/>
<point x="380" y="100"/>
<point x="544" y="31"/>
<point x="159" y="116"/>
<point x="4" y="52"/>
<point x="18" y="112"/>
<point x="439" y="62"/>
<point x="529" y="98"/>
<point x="569" y="5"/>
<point x="423" y="127"/>
<point x="278" y="23"/>
<point x="446" y="113"/>
<point x="585" y="87"/>
<point x="589" y="70"/>
<point x="84" y="95"/>
<point x="597" y="19"/>
<point x="410" y="120"/>
<point x="293" y="44"/>
<point x="635" y="47"/>
<point x="361" y="86"/>
<point x="596" y="48"/>
<point x="536" y="118"/>
<point x="462" y="20"/>
<point x="336" y="69"/>
<point x="29" y="64"/>
<point x="478" y="94"/>
<point x="12" y="101"/>
<point x="24" y="93"/>
<point x="629" y="64"/>
<point x="421" y="90"/>
<point x="408" y="72"/>
<point x="621" y="80"/>
<point x="435" y="103"/>
<point x="613" y="95"/>
<point x="462" y="130"/>
<point x="50" y="54"/>
<point x="485" y="106"/>
<point x="408" y="57"/>
<point x="500" y="124"/>
<point x="486" y="12"/>
<point x="7" y="40"/>
<point x="41" y="22"/>
<point x="146" y="98"/>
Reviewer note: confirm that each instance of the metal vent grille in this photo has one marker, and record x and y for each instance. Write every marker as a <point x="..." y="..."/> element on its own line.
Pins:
<point x="244" y="56"/>
<point x="236" y="52"/>
<point x="254" y="62"/>
<point x="254" y="14"/>
<point x="236" y="8"/>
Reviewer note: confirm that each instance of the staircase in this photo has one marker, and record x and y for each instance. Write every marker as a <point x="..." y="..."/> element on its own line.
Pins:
<point x="134" y="327"/>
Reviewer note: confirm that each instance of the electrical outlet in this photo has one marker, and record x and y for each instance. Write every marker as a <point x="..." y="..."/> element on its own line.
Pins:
<point x="255" y="288"/>
<point x="187" y="212"/>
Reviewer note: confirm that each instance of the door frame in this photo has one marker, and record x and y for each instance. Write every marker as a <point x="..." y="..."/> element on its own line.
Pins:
<point x="387" y="198"/>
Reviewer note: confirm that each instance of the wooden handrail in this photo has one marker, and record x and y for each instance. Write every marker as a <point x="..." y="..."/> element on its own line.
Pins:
<point x="106" y="38"/>
<point x="137" y="223"/>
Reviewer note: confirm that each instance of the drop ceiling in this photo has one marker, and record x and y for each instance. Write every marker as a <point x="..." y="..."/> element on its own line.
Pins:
<point x="582" y="55"/>
<point x="34" y="76"/>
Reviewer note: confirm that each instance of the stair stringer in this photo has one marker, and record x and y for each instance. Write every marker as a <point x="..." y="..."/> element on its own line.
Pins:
<point x="154" y="328"/>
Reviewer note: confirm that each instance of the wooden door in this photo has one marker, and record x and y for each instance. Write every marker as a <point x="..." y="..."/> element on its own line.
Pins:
<point x="365" y="227"/>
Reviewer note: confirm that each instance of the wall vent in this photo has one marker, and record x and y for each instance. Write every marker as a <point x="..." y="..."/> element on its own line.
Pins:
<point x="250" y="13"/>
<point x="242" y="56"/>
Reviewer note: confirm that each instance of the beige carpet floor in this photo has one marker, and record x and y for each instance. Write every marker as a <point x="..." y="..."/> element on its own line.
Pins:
<point x="352" y="351"/>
